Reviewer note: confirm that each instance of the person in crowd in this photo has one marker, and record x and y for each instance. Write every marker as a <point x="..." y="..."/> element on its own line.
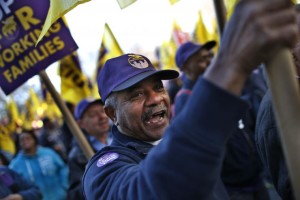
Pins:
<point x="91" y="118"/>
<point x="66" y="135"/>
<point x="267" y="136"/>
<point x="41" y="165"/>
<point x="192" y="59"/>
<point x="14" y="186"/>
<point x="150" y="159"/>
<point x="50" y="136"/>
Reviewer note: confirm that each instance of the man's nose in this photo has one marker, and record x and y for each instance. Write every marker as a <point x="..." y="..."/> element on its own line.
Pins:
<point x="154" y="98"/>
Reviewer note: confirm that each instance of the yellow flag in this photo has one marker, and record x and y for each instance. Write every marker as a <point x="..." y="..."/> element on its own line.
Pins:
<point x="35" y="100"/>
<point x="32" y="105"/>
<point x="48" y="106"/>
<point x="168" y="49"/>
<point x="13" y="114"/>
<point x="167" y="55"/>
<point x="214" y="35"/>
<point x="230" y="5"/>
<point x="74" y="84"/>
<point x="109" y="48"/>
<point x="203" y="35"/>
<point x="56" y="10"/>
<point x="173" y="1"/>
<point x="6" y="141"/>
<point x="12" y="108"/>
<point x="125" y="3"/>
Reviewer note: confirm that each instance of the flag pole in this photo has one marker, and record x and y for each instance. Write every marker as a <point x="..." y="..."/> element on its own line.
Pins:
<point x="76" y="131"/>
<point x="285" y="100"/>
<point x="221" y="15"/>
<point x="286" y="103"/>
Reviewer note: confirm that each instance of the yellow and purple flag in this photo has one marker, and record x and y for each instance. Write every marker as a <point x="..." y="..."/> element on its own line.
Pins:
<point x="109" y="48"/>
<point x="20" y="27"/>
<point x="74" y="84"/>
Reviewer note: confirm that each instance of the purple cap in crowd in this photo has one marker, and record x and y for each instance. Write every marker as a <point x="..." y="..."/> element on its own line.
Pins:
<point x="83" y="105"/>
<point x="186" y="50"/>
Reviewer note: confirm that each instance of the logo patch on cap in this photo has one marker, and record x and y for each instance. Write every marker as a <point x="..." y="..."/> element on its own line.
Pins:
<point x="107" y="158"/>
<point x="138" y="61"/>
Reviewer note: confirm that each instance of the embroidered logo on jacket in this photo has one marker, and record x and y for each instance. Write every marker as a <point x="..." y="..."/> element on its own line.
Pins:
<point x="107" y="158"/>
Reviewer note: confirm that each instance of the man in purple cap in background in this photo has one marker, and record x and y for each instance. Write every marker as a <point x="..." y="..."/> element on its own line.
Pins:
<point x="192" y="59"/>
<point x="187" y="162"/>
<point x="91" y="118"/>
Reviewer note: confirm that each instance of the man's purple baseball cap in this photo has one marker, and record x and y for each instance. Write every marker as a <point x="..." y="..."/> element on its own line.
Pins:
<point x="122" y="72"/>
<point x="186" y="50"/>
<point x="83" y="105"/>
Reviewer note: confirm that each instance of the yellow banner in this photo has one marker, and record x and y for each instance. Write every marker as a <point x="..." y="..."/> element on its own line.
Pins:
<point x="74" y="84"/>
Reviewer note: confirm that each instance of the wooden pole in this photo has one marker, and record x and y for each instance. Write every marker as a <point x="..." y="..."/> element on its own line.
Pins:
<point x="221" y="15"/>
<point x="284" y="88"/>
<point x="76" y="131"/>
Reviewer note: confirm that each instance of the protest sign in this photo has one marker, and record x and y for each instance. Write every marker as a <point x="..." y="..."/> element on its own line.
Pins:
<point x="20" y="26"/>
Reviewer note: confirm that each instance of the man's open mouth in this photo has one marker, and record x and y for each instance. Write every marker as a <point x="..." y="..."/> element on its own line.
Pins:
<point x="156" y="117"/>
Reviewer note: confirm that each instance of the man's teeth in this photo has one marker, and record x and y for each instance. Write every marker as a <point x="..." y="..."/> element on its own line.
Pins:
<point x="155" y="119"/>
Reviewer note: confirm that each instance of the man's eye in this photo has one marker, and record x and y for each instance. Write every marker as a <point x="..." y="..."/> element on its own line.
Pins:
<point x="137" y="94"/>
<point x="160" y="87"/>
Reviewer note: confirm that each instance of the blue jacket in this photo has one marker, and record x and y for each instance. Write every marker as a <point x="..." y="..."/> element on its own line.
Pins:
<point x="13" y="183"/>
<point x="186" y="164"/>
<point x="46" y="169"/>
<point x="77" y="162"/>
<point x="270" y="149"/>
<point x="242" y="170"/>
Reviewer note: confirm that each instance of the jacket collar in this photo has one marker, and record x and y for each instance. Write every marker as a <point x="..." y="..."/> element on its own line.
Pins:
<point x="119" y="139"/>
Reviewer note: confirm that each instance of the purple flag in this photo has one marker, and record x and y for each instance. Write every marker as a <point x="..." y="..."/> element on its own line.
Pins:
<point x="20" y="25"/>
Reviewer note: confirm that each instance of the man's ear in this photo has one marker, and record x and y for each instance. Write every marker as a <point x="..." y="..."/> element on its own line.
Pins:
<point x="110" y="112"/>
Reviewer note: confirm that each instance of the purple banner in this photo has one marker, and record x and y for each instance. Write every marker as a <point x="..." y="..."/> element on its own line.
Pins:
<point x="21" y="22"/>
